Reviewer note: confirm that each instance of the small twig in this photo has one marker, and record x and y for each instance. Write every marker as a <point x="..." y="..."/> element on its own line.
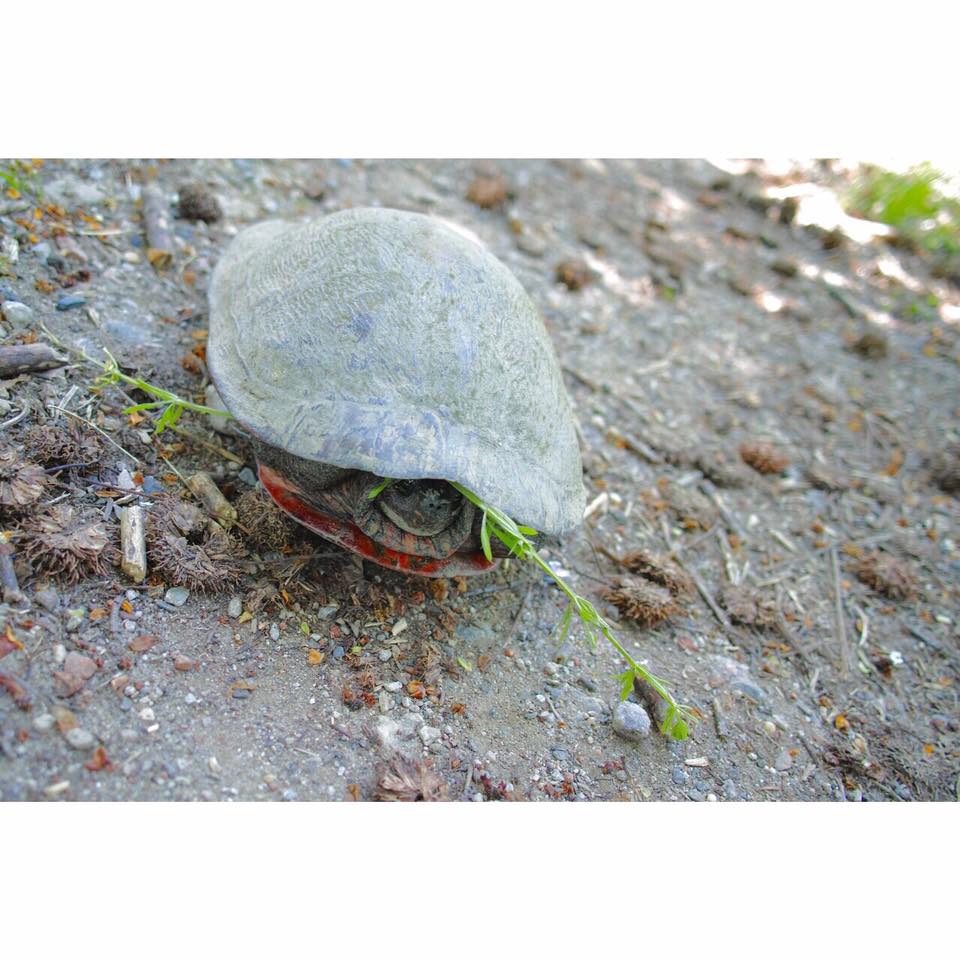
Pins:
<point x="104" y="434"/>
<point x="553" y="709"/>
<point x="212" y="447"/>
<point x="16" y="419"/>
<point x="841" y="627"/>
<point x="707" y="596"/>
<point x="467" y="782"/>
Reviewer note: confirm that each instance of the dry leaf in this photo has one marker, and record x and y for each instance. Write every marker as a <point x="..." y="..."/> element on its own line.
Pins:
<point x="143" y="643"/>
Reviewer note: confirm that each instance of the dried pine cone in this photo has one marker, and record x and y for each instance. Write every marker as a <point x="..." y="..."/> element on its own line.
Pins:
<point x="641" y="600"/>
<point x="210" y="567"/>
<point x="764" y="457"/>
<point x="172" y="514"/>
<point x="750" y="608"/>
<point x="574" y="274"/>
<point x="265" y="525"/>
<point x="660" y="570"/>
<point x="945" y="469"/>
<point x="198" y="203"/>
<point x="68" y="544"/>
<point x="62" y="444"/>
<point x="22" y="483"/>
<point x="410" y="780"/>
<point x="887" y="575"/>
<point x="488" y="192"/>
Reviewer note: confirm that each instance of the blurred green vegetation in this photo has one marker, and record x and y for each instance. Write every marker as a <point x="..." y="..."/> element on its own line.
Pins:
<point x="914" y="203"/>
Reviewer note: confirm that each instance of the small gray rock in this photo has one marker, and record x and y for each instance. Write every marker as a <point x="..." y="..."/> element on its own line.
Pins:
<point x="17" y="314"/>
<point x="783" y="761"/>
<point x="384" y="655"/>
<point x="80" y="739"/>
<point x="274" y="631"/>
<point x="730" y="790"/>
<point x="75" y="619"/>
<point x="631" y="721"/>
<point x="748" y="689"/>
<point x="44" y="722"/>
<point x="428" y="734"/>
<point x="678" y="775"/>
<point x="177" y="596"/>
<point x="235" y="607"/>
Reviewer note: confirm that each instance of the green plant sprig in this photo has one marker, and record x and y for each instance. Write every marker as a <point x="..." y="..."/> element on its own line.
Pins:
<point x="170" y="405"/>
<point x="515" y="537"/>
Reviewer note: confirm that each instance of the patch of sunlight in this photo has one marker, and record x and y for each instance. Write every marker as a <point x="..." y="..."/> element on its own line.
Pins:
<point x="950" y="312"/>
<point x="640" y="292"/>
<point x="836" y="279"/>
<point x="891" y="268"/>
<point x="770" y="302"/>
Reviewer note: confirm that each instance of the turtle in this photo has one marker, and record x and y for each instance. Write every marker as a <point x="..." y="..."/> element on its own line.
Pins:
<point x="376" y="345"/>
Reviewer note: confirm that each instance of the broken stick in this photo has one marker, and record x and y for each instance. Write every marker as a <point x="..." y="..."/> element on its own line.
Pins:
<point x="156" y="220"/>
<point x="27" y="358"/>
<point x="133" y="543"/>
<point x="207" y="492"/>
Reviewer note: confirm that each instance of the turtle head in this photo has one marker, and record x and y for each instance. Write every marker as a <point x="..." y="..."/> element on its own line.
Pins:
<point x="421" y="526"/>
<point x="423" y="507"/>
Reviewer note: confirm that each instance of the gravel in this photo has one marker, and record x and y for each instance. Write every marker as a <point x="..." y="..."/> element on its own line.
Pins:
<point x="80" y="739"/>
<point x="631" y="721"/>
<point x="177" y="596"/>
<point x="17" y="314"/>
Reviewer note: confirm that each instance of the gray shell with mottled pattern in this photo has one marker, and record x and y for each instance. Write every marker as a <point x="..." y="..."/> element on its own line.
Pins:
<point x="387" y="341"/>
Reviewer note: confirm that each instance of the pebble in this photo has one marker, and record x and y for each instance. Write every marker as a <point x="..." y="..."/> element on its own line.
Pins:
<point x="748" y="689"/>
<point x="80" y="739"/>
<point x="75" y="620"/>
<point x="289" y="794"/>
<point x="246" y="475"/>
<point x="783" y="761"/>
<point x="44" y="722"/>
<point x="17" y="314"/>
<point x="428" y="734"/>
<point x="70" y="302"/>
<point x="274" y="631"/>
<point x="730" y="790"/>
<point x="241" y="694"/>
<point x="384" y="655"/>
<point x="59" y="653"/>
<point x="177" y="596"/>
<point x="679" y="775"/>
<point x="631" y="721"/>
<point x="338" y="653"/>
<point x="235" y="607"/>
<point x="147" y="714"/>
<point x="394" y="686"/>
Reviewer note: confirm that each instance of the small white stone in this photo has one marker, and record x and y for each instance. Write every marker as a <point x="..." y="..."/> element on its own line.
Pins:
<point x="44" y="722"/>
<point x="59" y="653"/>
<point x="147" y="714"/>
<point x="428" y="734"/>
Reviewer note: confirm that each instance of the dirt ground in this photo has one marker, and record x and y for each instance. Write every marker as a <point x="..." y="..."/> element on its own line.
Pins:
<point x="767" y="394"/>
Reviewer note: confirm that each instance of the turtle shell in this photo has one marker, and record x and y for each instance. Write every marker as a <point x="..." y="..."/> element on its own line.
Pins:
<point x="387" y="341"/>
